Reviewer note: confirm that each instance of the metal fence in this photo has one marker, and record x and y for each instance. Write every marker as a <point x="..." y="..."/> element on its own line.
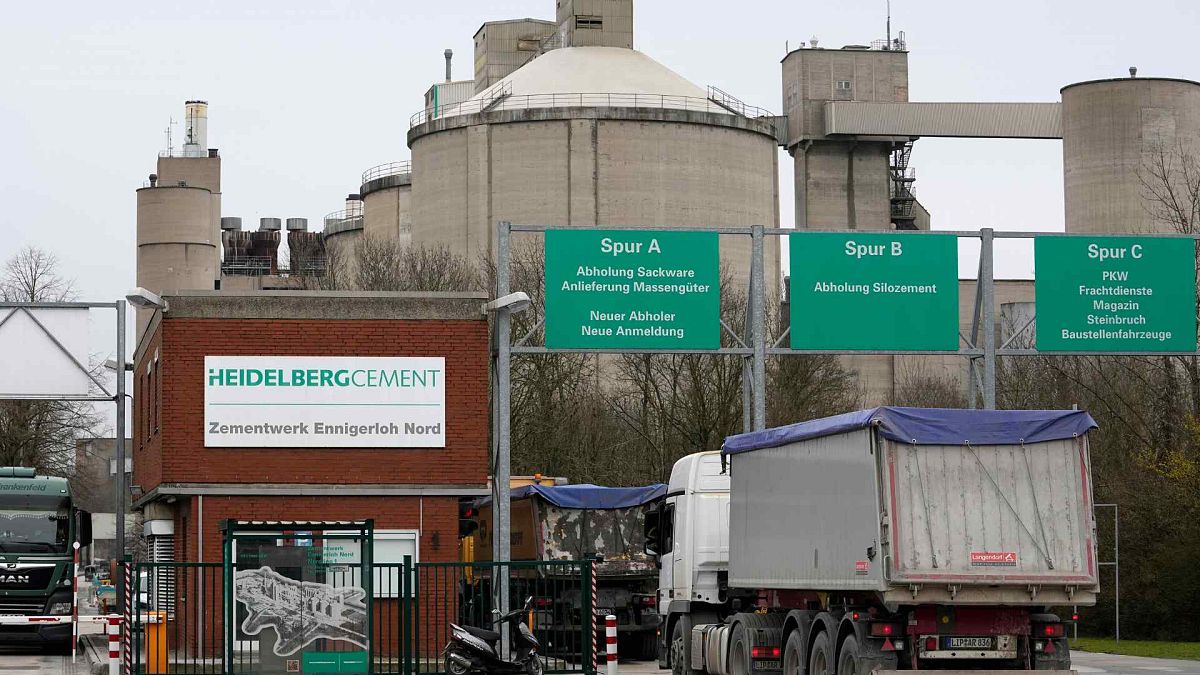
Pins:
<point x="178" y="625"/>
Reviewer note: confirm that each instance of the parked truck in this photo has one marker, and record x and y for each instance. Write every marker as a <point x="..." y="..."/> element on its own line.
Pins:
<point x="578" y="522"/>
<point x="38" y="526"/>
<point x="884" y="539"/>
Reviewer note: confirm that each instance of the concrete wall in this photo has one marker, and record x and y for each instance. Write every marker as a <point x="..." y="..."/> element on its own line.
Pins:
<point x="387" y="213"/>
<point x="503" y="46"/>
<point x="203" y="172"/>
<point x="1112" y="130"/>
<point x="177" y="248"/>
<point x="577" y="22"/>
<point x="594" y="171"/>
<point x="842" y="185"/>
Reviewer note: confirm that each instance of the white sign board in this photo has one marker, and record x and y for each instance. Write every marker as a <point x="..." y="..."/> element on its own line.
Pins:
<point x="324" y="402"/>
<point x="31" y="364"/>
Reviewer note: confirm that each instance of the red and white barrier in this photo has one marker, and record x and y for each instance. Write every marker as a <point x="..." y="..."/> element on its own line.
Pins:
<point x="112" y="623"/>
<point x="610" y="636"/>
<point x="595" y="628"/>
<point x="127" y="637"/>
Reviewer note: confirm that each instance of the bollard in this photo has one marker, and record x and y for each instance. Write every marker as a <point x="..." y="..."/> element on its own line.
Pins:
<point x="114" y="645"/>
<point x="610" y="636"/>
<point x="595" y="628"/>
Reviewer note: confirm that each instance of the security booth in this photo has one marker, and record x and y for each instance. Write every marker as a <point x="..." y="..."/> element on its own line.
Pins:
<point x="299" y="596"/>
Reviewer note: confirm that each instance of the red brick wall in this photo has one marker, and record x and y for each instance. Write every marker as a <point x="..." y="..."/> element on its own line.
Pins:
<point x="180" y="451"/>
<point x="147" y="445"/>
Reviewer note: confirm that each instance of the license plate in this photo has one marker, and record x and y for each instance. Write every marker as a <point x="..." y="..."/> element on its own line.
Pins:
<point x="766" y="665"/>
<point x="970" y="643"/>
<point x="604" y="611"/>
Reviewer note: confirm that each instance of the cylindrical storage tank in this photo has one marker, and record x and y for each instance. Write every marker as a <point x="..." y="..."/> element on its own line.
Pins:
<point x="231" y="223"/>
<point x="297" y="224"/>
<point x="195" y="120"/>
<point x="340" y="242"/>
<point x="269" y="224"/>
<point x="1113" y="133"/>
<point x="387" y="202"/>
<point x="593" y="136"/>
<point x="176" y="249"/>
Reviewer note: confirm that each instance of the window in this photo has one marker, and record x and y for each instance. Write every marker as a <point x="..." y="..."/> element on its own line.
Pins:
<point x="590" y="22"/>
<point x="668" y="528"/>
<point x="843" y="85"/>
<point x="157" y="394"/>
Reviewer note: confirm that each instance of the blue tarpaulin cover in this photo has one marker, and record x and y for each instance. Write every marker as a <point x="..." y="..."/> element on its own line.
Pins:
<point x="928" y="426"/>
<point x="588" y="496"/>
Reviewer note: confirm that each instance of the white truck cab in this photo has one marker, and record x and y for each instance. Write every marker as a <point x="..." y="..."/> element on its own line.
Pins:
<point x="695" y="544"/>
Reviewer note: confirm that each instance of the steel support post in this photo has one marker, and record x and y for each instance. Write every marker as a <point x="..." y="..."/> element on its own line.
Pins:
<point x="119" y="505"/>
<point x="758" y="333"/>
<point x="987" y="288"/>
<point x="502" y="523"/>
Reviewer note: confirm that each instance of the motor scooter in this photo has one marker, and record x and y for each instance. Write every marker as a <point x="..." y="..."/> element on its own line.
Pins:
<point x="477" y="650"/>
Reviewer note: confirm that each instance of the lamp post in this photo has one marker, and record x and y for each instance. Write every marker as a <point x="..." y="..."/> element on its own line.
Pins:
<point x="504" y="306"/>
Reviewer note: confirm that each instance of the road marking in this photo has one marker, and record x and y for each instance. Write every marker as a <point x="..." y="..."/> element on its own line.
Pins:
<point x="1087" y="669"/>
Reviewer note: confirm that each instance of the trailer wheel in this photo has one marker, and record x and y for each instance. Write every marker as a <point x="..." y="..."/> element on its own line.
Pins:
<point x="739" y="652"/>
<point x="848" y="661"/>
<point x="820" y="661"/>
<point x="793" y="654"/>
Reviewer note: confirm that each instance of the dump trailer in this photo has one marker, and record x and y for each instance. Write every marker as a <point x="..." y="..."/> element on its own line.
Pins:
<point x="38" y="526"/>
<point x="884" y="539"/>
<point x="579" y="522"/>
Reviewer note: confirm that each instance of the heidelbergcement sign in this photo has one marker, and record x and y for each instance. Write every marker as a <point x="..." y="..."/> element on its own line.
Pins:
<point x="625" y="289"/>
<point x="324" y="402"/>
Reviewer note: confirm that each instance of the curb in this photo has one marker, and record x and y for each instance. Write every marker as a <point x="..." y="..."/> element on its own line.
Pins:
<point x="94" y="648"/>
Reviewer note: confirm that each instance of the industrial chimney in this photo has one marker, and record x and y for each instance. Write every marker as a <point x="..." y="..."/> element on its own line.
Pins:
<point x="1132" y="71"/>
<point x="196" y="123"/>
<point x="449" y="56"/>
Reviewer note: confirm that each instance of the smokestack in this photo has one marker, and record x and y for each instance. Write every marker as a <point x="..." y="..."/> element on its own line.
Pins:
<point x="195" y="116"/>
<point x="449" y="57"/>
<point x="1132" y="71"/>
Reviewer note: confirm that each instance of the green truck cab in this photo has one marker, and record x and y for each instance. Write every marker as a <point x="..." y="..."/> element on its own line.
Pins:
<point x="38" y="526"/>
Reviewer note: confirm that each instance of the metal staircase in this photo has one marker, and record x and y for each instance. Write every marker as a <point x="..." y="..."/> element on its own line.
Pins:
<point x="901" y="190"/>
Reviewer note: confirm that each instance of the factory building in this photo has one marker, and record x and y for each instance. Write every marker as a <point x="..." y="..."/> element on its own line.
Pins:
<point x="564" y="123"/>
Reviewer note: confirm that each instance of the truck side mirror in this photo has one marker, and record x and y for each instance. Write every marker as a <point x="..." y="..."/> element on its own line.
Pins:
<point x="650" y="532"/>
<point x="84" y="535"/>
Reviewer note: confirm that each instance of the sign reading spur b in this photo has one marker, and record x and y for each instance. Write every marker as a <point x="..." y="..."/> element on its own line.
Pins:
<point x="324" y="402"/>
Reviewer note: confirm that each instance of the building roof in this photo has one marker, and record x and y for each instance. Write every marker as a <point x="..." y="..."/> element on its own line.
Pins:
<point x="595" y="70"/>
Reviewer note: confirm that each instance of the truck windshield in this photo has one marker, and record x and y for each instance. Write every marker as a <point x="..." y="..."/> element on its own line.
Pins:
<point x="34" y="530"/>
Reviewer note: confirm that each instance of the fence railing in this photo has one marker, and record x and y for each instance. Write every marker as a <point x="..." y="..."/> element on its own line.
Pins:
<point x="384" y="170"/>
<point x="530" y="101"/>
<point x="179" y="625"/>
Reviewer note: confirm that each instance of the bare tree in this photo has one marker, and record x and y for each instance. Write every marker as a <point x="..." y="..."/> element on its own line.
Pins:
<point x="385" y="264"/>
<point x="35" y="433"/>
<point x="922" y="386"/>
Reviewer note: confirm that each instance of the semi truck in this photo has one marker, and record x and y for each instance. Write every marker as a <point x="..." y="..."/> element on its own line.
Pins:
<point x="884" y="539"/>
<point x="38" y="526"/>
<point x="578" y="522"/>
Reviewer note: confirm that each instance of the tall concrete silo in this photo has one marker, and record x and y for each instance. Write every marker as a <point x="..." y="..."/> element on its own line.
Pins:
<point x="178" y="216"/>
<point x="1113" y="131"/>
<point x="387" y="202"/>
<point x="587" y="136"/>
<point x="343" y="231"/>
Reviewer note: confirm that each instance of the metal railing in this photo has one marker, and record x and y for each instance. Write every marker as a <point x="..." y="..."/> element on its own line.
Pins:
<point x="531" y="101"/>
<point x="412" y="608"/>
<point x="734" y="104"/>
<point x="384" y="170"/>
<point x="341" y="221"/>
<point x="250" y="265"/>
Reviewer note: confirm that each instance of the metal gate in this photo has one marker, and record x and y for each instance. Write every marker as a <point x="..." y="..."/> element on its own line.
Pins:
<point x="180" y="609"/>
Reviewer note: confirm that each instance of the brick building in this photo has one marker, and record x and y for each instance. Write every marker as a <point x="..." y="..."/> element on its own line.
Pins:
<point x="188" y="485"/>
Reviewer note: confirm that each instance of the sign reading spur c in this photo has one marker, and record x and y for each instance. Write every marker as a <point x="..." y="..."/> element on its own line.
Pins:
<point x="324" y="402"/>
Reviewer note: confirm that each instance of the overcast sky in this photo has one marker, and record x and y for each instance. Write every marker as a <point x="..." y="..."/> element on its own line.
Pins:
<point x="305" y="95"/>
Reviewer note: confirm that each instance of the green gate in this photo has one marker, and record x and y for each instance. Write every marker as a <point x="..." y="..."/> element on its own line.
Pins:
<point x="183" y="619"/>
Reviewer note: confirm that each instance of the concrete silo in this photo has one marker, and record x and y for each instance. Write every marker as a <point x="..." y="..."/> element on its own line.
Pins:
<point x="1112" y="133"/>
<point x="387" y="202"/>
<point x="343" y="231"/>
<point x="587" y="136"/>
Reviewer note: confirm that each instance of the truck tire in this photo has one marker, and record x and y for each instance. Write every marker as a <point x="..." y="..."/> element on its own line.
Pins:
<point x="679" y="655"/>
<point x="848" y="660"/>
<point x="820" y="660"/>
<point x="793" y="655"/>
<point x="739" y="652"/>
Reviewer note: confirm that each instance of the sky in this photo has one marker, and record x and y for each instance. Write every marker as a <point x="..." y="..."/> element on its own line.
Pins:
<point x="305" y="95"/>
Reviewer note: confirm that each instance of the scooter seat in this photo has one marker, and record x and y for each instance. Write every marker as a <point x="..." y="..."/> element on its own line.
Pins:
<point x="484" y="634"/>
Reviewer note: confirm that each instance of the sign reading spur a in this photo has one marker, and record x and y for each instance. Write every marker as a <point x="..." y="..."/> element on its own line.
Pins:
<point x="324" y="402"/>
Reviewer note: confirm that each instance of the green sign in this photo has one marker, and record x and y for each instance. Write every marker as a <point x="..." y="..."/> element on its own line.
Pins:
<point x="1115" y="294"/>
<point x="632" y="289"/>
<point x="334" y="662"/>
<point x="874" y="291"/>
